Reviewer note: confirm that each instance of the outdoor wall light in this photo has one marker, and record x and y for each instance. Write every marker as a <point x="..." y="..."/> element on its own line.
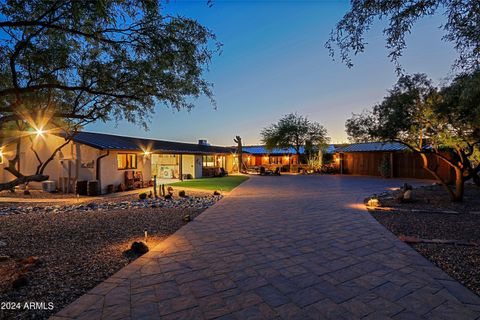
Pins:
<point x="39" y="132"/>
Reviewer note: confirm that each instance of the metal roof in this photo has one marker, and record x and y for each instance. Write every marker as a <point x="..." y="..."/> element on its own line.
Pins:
<point x="104" y="141"/>
<point x="372" y="147"/>
<point x="260" y="150"/>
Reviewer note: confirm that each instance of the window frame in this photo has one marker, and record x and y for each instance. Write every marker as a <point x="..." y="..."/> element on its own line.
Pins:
<point x="126" y="154"/>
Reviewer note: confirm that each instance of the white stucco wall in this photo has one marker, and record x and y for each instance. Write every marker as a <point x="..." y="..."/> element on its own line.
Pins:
<point x="44" y="146"/>
<point x="198" y="166"/>
<point x="110" y="174"/>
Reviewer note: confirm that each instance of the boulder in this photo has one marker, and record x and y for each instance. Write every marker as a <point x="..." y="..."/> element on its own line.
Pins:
<point x="139" y="248"/>
<point x="20" y="281"/>
<point x="374" y="202"/>
<point x="408" y="195"/>
<point x="406" y="187"/>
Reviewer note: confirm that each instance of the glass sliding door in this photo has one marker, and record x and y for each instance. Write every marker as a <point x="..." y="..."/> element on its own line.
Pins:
<point x="166" y="166"/>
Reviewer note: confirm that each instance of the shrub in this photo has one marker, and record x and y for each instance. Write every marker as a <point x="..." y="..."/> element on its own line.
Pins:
<point x="142" y="196"/>
<point x="182" y="193"/>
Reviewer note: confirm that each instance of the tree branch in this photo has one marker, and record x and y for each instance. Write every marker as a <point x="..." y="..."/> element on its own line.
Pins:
<point x="9" y="91"/>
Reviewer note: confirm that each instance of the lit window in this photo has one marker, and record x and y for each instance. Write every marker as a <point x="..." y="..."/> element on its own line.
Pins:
<point x="126" y="161"/>
<point x="208" y="161"/>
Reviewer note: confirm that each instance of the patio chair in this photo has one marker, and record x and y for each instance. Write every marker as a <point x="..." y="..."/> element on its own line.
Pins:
<point x="223" y="173"/>
<point x="129" y="180"/>
<point x="276" y="172"/>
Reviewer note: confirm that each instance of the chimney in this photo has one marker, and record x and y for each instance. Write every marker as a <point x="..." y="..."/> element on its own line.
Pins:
<point x="203" y="142"/>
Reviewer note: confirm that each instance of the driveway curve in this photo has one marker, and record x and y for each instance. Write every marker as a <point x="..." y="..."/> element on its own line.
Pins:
<point x="288" y="247"/>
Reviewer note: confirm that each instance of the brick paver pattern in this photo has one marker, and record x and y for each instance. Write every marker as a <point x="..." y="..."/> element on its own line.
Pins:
<point x="289" y="247"/>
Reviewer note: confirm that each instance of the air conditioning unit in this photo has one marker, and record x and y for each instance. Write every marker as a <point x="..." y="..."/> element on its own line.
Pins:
<point x="49" y="186"/>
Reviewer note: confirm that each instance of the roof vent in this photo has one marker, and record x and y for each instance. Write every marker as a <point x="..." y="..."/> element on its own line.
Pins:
<point x="203" y="142"/>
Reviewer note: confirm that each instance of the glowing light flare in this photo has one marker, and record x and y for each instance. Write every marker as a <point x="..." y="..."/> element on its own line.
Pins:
<point x="357" y="206"/>
<point x="40" y="132"/>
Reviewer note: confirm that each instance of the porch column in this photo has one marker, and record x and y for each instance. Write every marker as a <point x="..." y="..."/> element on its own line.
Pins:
<point x="180" y="166"/>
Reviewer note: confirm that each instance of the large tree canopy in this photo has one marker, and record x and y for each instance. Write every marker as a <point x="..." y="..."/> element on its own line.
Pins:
<point x="294" y="131"/>
<point x="89" y="60"/>
<point x="462" y="27"/>
<point x="67" y="63"/>
<point x="430" y="121"/>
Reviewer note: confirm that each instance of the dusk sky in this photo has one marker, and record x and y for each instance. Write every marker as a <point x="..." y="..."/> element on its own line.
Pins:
<point x="274" y="62"/>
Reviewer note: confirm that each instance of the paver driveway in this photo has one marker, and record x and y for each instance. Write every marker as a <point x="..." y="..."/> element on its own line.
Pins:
<point x="282" y="247"/>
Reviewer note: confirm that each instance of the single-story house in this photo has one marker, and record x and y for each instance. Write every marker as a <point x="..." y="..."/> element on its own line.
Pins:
<point x="259" y="155"/>
<point x="366" y="158"/>
<point x="113" y="160"/>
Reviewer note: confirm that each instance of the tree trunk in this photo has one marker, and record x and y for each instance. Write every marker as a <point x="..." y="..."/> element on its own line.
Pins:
<point x="21" y="180"/>
<point x="476" y="179"/>
<point x="436" y="176"/>
<point x="242" y="168"/>
<point x="459" y="185"/>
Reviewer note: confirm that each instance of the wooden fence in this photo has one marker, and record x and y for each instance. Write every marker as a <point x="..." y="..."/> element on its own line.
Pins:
<point x="403" y="165"/>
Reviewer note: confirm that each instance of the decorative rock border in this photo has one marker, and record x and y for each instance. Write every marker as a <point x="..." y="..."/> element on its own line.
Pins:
<point x="193" y="202"/>
<point x="411" y="239"/>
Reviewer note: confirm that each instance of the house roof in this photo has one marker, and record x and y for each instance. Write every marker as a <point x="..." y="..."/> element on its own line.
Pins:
<point x="104" y="141"/>
<point x="260" y="150"/>
<point x="372" y="147"/>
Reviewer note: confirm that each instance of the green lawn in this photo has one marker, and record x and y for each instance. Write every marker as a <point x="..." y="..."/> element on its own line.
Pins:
<point x="220" y="184"/>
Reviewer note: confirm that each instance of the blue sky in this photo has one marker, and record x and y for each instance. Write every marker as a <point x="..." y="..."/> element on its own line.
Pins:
<point x="273" y="62"/>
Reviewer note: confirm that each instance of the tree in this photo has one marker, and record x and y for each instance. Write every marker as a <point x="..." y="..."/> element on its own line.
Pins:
<point x="66" y="63"/>
<point x="440" y="123"/>
<point x="461" y="28"/>
<point x="294" y="131"/>
<point x="241" y="165"/>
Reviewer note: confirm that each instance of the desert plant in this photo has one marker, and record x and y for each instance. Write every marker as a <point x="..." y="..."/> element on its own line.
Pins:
<point x="314" y="163"/>
<point x="384" y="168"/>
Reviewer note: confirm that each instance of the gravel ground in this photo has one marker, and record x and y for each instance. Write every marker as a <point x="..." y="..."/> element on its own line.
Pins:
<point x="34" y="194"/>
<point x="460" y="262"/>
<point x="77" y="250"/>
<point x="435" y="197"/>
